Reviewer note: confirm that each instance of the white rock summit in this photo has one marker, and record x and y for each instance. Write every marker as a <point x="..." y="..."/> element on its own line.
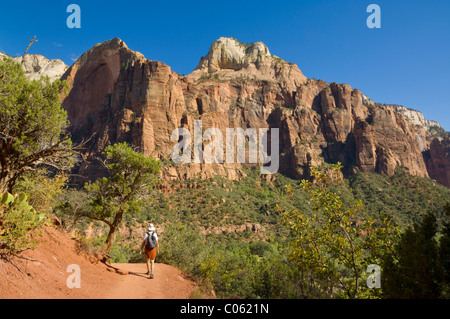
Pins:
<point x="229" y="53"/>
<point x="36" y="66"/>
<point x="416" y="117"/>
<point x="229" y="58"/>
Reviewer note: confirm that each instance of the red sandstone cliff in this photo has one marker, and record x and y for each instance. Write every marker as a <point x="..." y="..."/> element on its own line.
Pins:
<point x="119" y="95"/>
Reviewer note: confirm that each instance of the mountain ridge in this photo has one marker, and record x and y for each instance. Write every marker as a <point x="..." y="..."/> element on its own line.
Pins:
<point x="120" y="96"/>
<point x="141" y="101"/>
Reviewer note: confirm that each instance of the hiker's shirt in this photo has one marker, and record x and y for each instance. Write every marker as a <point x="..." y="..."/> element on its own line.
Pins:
<point x="154" y="236"/>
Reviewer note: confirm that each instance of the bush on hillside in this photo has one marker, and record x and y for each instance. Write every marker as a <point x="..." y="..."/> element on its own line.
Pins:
<point x="18" y="223"/>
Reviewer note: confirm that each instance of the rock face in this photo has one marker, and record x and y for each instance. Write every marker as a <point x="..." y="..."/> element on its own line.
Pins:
<point x="36" y="66"/>
<point x="118" y="95"/>
<point x="415" y="117"/>
<point x="438" y="160"/>
<point x="230" y="59"/>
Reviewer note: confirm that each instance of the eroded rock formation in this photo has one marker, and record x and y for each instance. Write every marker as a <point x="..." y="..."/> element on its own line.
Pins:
<point x="118" y="95"/>
<point x="36" y="66"/>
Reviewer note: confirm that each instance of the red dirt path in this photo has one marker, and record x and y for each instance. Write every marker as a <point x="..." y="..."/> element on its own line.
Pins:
<point x="47" y="278"/>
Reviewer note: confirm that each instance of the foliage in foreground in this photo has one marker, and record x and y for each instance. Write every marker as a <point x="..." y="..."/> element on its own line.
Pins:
<point x="260" y="265"/>
<point x="33" y="140"/>
<point x="32" y="126"/>
<point x="336" y="244"/>
<point x="419" y="267"/>
<point x="131" y="178"/>
<point x="252" y="269"/>
<point x="18" y="220"/>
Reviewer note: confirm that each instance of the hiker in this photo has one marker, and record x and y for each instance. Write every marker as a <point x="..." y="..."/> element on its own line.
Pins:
<point x="151" y="245"/>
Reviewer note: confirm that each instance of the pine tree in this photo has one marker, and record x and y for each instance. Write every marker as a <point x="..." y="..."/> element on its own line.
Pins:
<point x="415" y="270"/>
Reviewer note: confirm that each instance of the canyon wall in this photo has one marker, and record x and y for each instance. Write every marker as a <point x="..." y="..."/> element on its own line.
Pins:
<point x="117" y="95"/>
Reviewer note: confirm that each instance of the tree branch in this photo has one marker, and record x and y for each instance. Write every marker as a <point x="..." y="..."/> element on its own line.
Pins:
<point x="29" y="45"/>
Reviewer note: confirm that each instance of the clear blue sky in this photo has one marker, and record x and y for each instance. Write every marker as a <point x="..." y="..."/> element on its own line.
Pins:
<point x="405" y="62"/>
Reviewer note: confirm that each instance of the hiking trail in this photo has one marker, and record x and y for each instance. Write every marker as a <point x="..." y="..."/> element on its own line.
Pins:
<point x="44" y="274"/>
<point x="168" y="283"/>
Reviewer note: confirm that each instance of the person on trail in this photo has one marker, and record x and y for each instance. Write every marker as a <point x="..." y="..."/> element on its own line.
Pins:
<point x="151" y="245"/>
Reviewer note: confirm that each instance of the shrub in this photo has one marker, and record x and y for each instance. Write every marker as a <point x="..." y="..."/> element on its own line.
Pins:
<point x="41" y="189"/>
<point x="18" y="221"/>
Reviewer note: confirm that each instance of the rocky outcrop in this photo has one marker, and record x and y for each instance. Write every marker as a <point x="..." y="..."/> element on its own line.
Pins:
<point x="229" y="58"/>
<point x="416" y="117"/>
<point x="118" y="95"/>
<point x="37" y="66"/>
<point x="438" y="160"/>
<point x="386" y="140"/>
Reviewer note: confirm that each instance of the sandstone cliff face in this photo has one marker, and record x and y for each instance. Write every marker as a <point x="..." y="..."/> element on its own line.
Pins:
<point x="119" y="95"/>
<point x="36" y="66"/>
<point x="438" y="160"/>
<point x="414" y="116"/>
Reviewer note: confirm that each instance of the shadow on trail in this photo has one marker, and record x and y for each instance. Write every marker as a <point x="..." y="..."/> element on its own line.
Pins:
<point x="126" y="272"/>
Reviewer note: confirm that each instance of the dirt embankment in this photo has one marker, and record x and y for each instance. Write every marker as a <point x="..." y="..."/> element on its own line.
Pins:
<point x="47" y="274"/>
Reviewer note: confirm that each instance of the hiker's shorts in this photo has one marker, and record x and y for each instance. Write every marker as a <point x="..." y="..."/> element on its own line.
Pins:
<point x="150" y="253"/>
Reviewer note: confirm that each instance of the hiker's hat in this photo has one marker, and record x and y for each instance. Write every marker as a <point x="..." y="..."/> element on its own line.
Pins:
<point x="151" y="227"/>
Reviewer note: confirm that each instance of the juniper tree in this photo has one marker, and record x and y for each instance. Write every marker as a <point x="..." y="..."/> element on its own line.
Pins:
<point x="132" y="176"/>
<point x="32" y="125"/>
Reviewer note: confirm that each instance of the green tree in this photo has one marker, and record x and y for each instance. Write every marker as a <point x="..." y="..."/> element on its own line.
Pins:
<point x="335" y="244"/>
<point x="32" y="126"/>
<point x="131" y="178"/>
<point x="42" y="188"/>
<point x="444" y="256"/>
<point x="414" y="270"/>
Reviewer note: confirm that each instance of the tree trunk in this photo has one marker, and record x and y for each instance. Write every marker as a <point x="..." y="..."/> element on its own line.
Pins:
<point x="3" y="187"/>
<point x="29" y="45"/>
<point x="113" y="230"/>
<point x="7" y="183"/>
